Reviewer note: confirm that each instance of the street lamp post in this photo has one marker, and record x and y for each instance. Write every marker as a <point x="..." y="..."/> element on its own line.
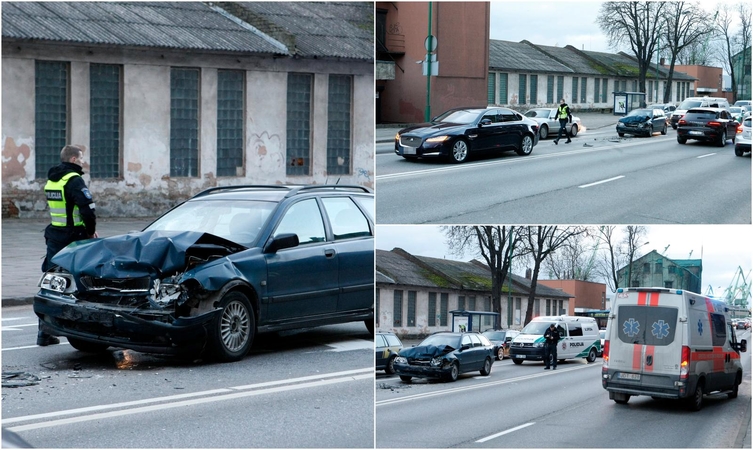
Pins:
<point x="430" y="43"/>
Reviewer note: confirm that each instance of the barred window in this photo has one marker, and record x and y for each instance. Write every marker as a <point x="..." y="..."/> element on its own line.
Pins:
<point x="491" y="89"/>
<point x="461" y="302"/>
<point x="411" y="308"/>
<point x="50" y="112"/>
<point x="230" y="95"/>
<point x="376" y="306"/>
<point x="502" y="88"/>
<point x="583" y="89"/>
<point x="597" y="89"/>
<point x="397" y="309"/>
<point x="104" y="117"/>
<point x="488" y="307"/>
<point x="575" y="89"/>
<point x="550" y="89"/>
<point x="534" y="89"/>
<point x="298" y="141"/>
<point x="604" y="89"/>
<point x="443" y="309"/>
<point x="560" y="88"/>
<point x="432" y="309"/>
<point x="184" y="122"/>
<point x="338" y="125"/>
<point x="521" y="89"/>
<point x="471" y="303"/>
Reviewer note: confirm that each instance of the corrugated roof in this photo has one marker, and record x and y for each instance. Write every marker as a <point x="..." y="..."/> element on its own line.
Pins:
<point x="179" y="25"/>
<point x="322" y="29"/>
<point x="577" y="62"/>
<point x="405" y="272"/>
<point x="521" y="56"/>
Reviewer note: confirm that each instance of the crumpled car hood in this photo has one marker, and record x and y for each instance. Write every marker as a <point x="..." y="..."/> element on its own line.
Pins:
<point x="146" y="253"/>
<point x="633" y="119"/>
<point x="426" y="351"/>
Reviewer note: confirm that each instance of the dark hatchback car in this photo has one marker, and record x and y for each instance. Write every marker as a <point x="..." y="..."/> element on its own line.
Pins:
<point x="215" y="270"/>
<point x="501" y="340"/>
<point x="458" y="133"/>
<point x="714" y="125"/>
<point x="387" y="345"/>
<point x="446" y="355"/>
<point x="642" y="122"/>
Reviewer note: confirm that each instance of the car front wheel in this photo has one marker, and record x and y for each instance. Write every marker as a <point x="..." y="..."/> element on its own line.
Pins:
<point x="390" y="369"/>
<point x="233" y="329"/>
<point x="500" y="354"/>
<point x="526" y="146"/>
<point x="543" y="132"/>
<point x="574" y="131"/>
<point x="454" y="372"/>
<point x="591" y="355"/>
<point x="487" y="369"/>
<point x="664" y="130"/>
<point x="681" y="140"/>
<point x="695" y="403"/>
<point x="459" y="151"/>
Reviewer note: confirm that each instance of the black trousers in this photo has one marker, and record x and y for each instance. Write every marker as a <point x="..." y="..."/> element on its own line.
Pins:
<point x="563" y="129"/>
<point x="550" y="351"/>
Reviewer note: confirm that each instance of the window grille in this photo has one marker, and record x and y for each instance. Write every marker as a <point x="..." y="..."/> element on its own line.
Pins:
<point x="339" y="125"/>
<point x="184" y="122"/>
<point x="397" y="309"/>
<point x="104" y="118"/>
<point x="299" y="124"/>
<point x="230" y="108"/>
<point x="50" y="113"/>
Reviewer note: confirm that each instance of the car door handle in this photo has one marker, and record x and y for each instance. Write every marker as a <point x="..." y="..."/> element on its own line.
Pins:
<point x="329" y="253"/>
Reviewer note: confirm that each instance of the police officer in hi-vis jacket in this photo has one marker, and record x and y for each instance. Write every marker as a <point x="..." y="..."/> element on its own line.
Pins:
<point x="564" y="116"/>
<point x="72" y="215"/>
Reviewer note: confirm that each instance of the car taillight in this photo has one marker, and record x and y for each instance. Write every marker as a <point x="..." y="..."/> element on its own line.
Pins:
<point x="739" y="128"/>
<point x="684" y="362"/>
<point x="605" y="351"/>
<point x="714" y="124"/>
<point x="681" y="122"/>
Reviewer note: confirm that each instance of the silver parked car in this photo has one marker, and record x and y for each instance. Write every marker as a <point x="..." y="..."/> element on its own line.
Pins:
<point x="549" y="125"/>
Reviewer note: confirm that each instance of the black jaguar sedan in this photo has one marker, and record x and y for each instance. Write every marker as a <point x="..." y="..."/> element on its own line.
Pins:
<point x="457" y="133"/>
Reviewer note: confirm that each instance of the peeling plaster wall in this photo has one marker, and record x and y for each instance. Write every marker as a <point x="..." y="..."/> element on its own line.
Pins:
<point x="145" y="187"/>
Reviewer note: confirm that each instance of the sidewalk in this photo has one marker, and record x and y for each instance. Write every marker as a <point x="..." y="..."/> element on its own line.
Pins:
<point x="23" y="250"/>
<point x="590" y="120"/>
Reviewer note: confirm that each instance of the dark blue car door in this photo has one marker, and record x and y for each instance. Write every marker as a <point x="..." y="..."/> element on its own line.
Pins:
<point x="303" y="280"/>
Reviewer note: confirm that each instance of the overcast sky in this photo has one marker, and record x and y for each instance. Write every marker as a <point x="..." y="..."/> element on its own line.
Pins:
<point x="723" y="248"/>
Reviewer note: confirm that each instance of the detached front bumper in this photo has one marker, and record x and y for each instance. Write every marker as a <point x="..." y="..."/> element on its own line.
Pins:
<point x="144" y="330"/>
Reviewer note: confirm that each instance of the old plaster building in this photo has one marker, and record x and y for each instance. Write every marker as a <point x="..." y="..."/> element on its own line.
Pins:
<point x="655" y="270"/>
<point x="170" y="98"/>
<point x="417" y="295"/>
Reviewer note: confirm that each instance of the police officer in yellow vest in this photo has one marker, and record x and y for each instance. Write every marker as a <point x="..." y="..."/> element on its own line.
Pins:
<point x="564" y="116"/>
<point x="72" y="216"/>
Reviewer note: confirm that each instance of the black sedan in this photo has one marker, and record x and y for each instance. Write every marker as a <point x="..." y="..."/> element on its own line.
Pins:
<point x="446" y="355"/>
<point x="714" y="125"/>
<point x="642" y="122"/>
<point x="457" y="133"/>
<point x="215" y="270"/>
<point x="501" y="340"/>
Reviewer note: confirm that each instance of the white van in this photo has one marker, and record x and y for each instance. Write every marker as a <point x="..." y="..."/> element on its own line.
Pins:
<point x="670" y="343"/>
<point x="579" y="338"/>
<point x="696" y="102"/>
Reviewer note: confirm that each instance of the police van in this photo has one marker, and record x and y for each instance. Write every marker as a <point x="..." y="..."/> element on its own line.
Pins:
<point x="669" y="343"/>
<point x="579" y="338"/>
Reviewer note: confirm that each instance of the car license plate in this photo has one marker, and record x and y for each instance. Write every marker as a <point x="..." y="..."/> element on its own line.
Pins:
<point x="409" y="150"/>
<point x="695" y="133"/>
<point x="629" y="376"/>
<point x="519" y="356"/>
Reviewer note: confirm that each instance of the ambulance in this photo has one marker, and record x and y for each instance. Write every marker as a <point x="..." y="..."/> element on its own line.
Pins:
<point x="669" y="343"/>
<point x="579" y="338"/>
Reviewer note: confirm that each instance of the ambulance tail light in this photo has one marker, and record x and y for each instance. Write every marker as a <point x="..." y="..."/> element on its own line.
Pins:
<point x="605" y="355"/>
<point x="685" y="362"/>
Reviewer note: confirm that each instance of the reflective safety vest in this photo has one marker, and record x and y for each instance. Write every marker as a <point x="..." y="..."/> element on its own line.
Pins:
<point x="55" y="192"/>
<point x="562" y="112"/>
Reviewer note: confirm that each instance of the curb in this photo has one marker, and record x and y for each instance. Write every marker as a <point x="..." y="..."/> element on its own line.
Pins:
<point x="17" y="301"/>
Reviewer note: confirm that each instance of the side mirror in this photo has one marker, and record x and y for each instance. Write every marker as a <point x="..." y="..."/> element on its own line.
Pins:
<point x="485" y="122"/>
<point x="283" y="241"/>
<point x="465" y="347"/>
<point x="743" y="346"/>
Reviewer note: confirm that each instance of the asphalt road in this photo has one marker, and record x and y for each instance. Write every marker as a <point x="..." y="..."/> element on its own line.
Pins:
<point x="527" y="407"/>
<point x="307" y="388"/>
<point x="598" y="178"/>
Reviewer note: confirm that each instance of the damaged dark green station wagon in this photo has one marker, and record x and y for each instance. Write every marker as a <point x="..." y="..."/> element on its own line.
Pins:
<point x="214" y="271"/>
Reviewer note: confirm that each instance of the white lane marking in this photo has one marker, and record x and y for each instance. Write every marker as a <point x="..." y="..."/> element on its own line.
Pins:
<point x="489" y="438"/>
<point x="181" y="400"/>
<point x="602" y="181"/>
<point x="24" y="347"/>
<point x="13" y="318"/>
<point x="478" y="386"/>
<point x="17" y="327"/>
<point x="703" y="156"/>
<point x="353" y="344"/>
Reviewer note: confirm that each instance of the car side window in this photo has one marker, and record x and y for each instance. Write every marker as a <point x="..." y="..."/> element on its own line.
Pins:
<point x="346" y="219"/>
<point x="475" y="340"/>
<point x="393" y="341"/>
<point x="305" y="220"/>
<point x="562" y="331"/>
<point x="379" y="341"/>
<point x="491" y="115"/>
<point x="466" y="341"/>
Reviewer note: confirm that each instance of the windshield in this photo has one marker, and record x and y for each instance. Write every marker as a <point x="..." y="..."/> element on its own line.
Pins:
<point x="442" y="340"/>
<point x="495" y="335"/>
<point x="536" y="328"/>
<point x="542" y="113"/>
<point x="235" y="220"/>
<point x="640" y="112"/>
<point x="462" y="116"/>
<point x="687" y="104"/>
<point x="735" y="109"/>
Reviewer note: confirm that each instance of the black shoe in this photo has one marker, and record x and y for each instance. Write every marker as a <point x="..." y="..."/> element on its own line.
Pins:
<point x="568" y="141"/>
<point x="556" y="141"/>
<point x="554" y="368"/>
<point x="546" y="368"/>
<point x="43" y="340"/>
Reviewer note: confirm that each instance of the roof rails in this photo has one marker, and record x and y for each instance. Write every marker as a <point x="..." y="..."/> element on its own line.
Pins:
<point x="294" y="190"/>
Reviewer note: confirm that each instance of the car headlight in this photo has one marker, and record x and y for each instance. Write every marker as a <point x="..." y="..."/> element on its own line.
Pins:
<point x="58" y="282"/>
<point x="538" y="344"/>
<point x="436" y="362"/>
<point x="397" y="136"/>
<point x="401" y="360"/>
<point x="437" y="139"/>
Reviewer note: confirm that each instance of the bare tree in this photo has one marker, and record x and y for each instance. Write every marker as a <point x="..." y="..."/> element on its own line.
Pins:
<point x="687" y="24"/>
<point x="575" y="260"/>
<point x="612" y="256"/>
<point x="697" y="54"/>
<point x="496" y="245"/>
<point x="632" y="241"/>
<point x="637" y="24"/>
<point x="540" y="242"/>
<point x="732" y="42"/>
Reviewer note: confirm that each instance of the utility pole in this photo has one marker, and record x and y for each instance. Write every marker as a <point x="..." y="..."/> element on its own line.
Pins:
<point x="429" y="46"/>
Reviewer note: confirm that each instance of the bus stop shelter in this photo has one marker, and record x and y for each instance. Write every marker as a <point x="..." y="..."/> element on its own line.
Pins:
<point x="463" y="320"/>
<point x="624" y="102"/>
